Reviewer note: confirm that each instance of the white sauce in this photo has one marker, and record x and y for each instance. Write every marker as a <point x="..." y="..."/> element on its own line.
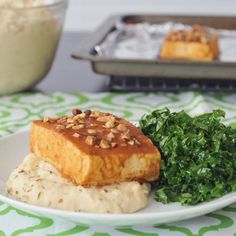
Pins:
<point x="38" y="182"/>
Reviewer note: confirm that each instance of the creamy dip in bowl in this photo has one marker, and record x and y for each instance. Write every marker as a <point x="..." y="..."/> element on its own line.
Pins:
<point x="29" y="34"/>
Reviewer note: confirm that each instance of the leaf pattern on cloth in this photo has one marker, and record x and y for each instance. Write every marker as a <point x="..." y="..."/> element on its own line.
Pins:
<point x="17" y="111"/>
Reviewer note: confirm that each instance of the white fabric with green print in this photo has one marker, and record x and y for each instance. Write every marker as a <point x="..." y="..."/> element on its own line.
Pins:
<point x="17" y="111"/>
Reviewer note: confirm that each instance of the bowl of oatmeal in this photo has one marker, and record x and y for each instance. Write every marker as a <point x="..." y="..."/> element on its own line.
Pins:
<point x="30" y="31"/>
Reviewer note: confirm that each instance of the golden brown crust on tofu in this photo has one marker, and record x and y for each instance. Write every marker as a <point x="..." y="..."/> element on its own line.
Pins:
<point x="95" y="148"/>
<point x="194" y="44"/>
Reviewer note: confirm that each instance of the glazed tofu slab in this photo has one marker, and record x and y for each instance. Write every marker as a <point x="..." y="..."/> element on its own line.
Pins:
<point x="95" y="148"/>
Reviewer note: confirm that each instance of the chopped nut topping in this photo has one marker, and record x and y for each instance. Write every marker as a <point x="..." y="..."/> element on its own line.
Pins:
<point x="115" y="131"/>
<point x="69" y="126"/>
<point x="82" y="115"/>
<point x="70" y="120"/>
<point x="92" y="131"/>
<point x="137" y="142"/>
<point x="76" y="111"/>
<point x="60" y="127"/>
<point x="45" y="119"/>
<point x="49" y="119"/>
<point x="110" y="123"/>
<point x="126" y="135"/>
<point x="104" y="144"/>
<point x="121" y="127"/>
<point x="105" y="118"/>
<point x="99" y="135"/>
<point x="131" y="142"/>
<point x="203" y="40"/>
<point x="113" y="144"/>
<point x="76" y="135"/>
<point x="61" y="121"/>
<point x="91" y="140"/>
<point x="110" y="136"/>
<point x="77" y="127"/>
<point x="75" y="118"/>
<point x="87" y="112"/>
<point x="96" y="113"/>
<point x="195" y="34"/>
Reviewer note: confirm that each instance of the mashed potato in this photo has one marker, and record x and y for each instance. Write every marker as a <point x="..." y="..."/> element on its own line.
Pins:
<point x="21" y="3"/>
<point x="38" y="182"/>
<point x="28" y="42"/>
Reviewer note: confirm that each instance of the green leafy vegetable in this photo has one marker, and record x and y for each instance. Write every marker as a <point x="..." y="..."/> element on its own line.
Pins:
<point x="198" y="155"/>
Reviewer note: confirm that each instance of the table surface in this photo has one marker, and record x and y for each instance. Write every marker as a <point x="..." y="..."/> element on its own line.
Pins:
<point x="70" y="75"/>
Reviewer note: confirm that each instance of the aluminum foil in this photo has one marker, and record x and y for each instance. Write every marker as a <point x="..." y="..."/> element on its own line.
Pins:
<point x="144" y="41"/>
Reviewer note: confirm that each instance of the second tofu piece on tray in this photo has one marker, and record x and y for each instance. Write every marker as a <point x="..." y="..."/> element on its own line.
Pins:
<point x="95" y="148"/>
<point x="198" y="43"/>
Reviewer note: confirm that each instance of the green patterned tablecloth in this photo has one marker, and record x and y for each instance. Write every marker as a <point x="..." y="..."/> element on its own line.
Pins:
<point x="17" y="111"/>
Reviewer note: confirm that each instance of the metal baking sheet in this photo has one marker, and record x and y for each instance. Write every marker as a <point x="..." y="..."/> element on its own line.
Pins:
<point x="157" y="68"/>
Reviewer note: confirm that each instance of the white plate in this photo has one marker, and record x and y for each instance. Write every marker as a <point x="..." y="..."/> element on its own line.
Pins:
<point x="15" y="147"/>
